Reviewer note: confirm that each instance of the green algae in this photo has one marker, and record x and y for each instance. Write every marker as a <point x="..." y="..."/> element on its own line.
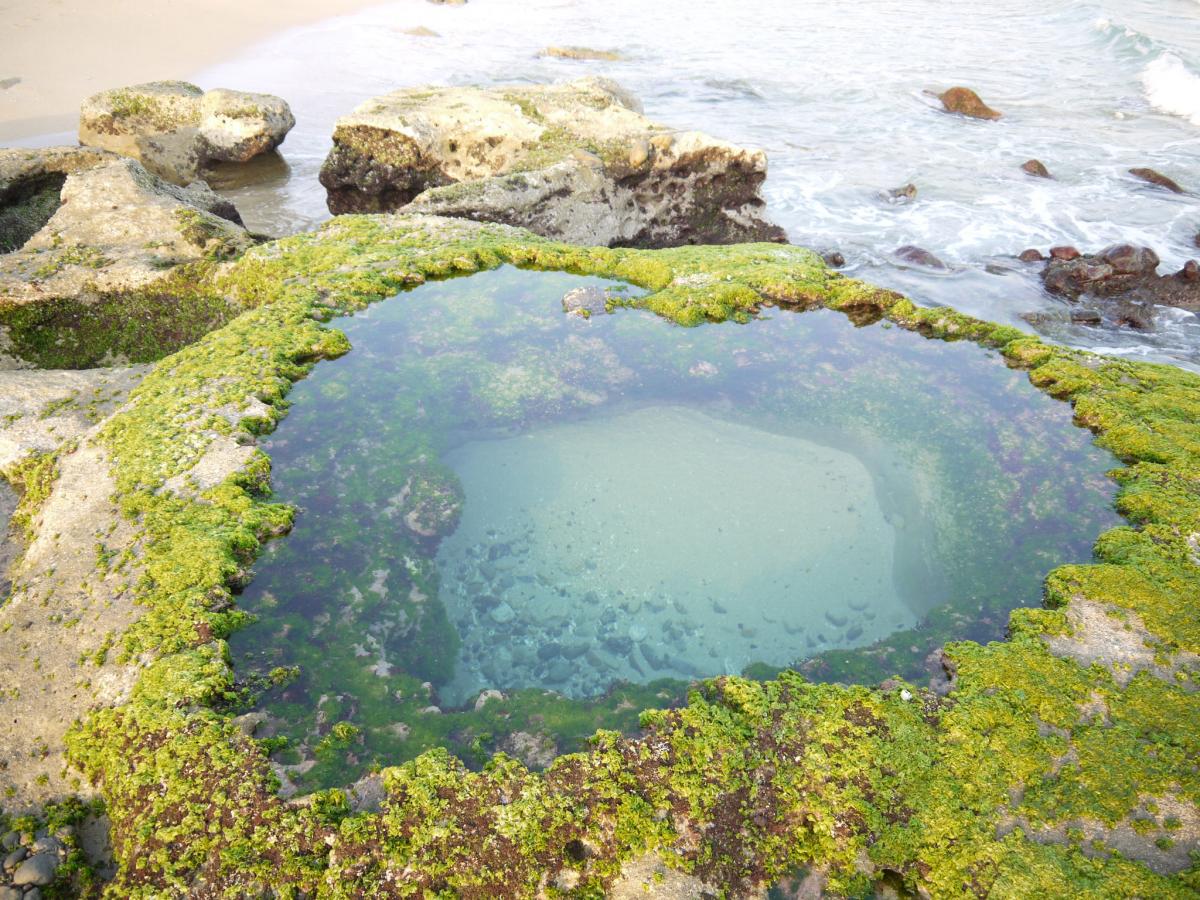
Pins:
<point x="748" y="781"/>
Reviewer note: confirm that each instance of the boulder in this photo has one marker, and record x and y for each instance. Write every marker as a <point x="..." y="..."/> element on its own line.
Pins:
<point x="1125" y="279"/>
<point x="965" y="102"/>
<point x="175" y="129"/>
<point x="1158" y="179"/>
<point x="1035" y="168"/>
<point x="575" y="161"/>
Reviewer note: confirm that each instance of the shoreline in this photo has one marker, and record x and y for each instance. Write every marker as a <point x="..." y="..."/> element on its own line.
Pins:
<point x="63" y="51"/>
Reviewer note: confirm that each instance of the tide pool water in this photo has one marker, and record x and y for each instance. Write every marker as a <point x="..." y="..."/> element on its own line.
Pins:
<point x="514" y="521"/>
<point x="660" y="542"/>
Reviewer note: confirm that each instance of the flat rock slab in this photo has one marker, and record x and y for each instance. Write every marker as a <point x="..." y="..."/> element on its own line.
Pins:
<point x="175" y="129"/>
<point x="575" y="161"/>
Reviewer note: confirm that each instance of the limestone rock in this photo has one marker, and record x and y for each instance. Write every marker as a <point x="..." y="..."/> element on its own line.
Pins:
<point x="575" y="161"/>
<point x="175" y="129"/>
<point x="119" y="227"/>
<point x="115" y="229"/>
<point x="965" y="102"/>
<point x="30" y="184"/>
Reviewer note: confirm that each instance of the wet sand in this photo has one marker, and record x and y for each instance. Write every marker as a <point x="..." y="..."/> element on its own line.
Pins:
<point x="62" y="51"/>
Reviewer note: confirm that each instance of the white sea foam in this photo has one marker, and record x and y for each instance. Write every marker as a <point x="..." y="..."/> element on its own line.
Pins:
<point x="1173" y="88"/>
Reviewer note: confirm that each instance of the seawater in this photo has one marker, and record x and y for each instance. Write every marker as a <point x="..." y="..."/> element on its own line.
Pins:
<point x="626" y="502"/>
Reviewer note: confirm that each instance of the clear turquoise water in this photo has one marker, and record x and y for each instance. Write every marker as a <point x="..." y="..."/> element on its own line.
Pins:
<point x="625" y="501"/>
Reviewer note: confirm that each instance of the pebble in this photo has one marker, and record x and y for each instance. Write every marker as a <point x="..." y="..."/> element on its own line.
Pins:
<point x="10" y="840"/>
<point x="7" y="892"/>
<point x="637" y="633"/>
<point x="13" y="858"/>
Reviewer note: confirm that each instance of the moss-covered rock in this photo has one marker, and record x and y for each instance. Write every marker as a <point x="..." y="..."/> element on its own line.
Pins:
<point x="1026" y="778"/>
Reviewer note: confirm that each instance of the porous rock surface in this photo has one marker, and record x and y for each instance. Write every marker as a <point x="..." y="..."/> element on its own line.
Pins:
<point x="175" y="129"/>
<point x="576" y="161"/>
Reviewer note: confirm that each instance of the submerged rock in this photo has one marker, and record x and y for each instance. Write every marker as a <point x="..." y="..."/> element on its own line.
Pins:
<point x="585" y="301"/>
<point x="1126" y="276"/>
<point x="1158" y="179"/>
<point x="1035" y="168"/>
<point x="175" y="129"/>
<point x="581" y="53"/>
<point x="902" y="194"/>
<point x="965" y="102"/>
<point x="918" y="256"/>
<point x="575" y="161"/>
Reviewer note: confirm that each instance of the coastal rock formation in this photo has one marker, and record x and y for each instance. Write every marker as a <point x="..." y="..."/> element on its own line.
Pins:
<point x="110" y="230"/>
<point x="175" y="129"/>
<point x="965" y="102"/>
<point x="1125" y="280"/>
<point x="575" y="161"/>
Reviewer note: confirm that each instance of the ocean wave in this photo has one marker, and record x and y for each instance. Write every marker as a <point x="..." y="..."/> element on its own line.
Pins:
<point x="1171" y="87"/>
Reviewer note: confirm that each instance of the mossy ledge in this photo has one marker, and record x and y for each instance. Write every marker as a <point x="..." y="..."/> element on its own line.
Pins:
<point x="1024" y="780"/>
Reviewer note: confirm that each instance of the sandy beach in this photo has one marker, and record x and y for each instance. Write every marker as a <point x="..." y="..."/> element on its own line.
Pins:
<point x="54" y="53"/>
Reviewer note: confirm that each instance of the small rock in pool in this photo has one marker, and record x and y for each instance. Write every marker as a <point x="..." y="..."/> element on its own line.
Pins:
<point x="965" y="102"/>
<point x="1031" y="255"/>
<point x="1035" y="168"/>
<point x="918" y="256"/>
<point x="1158" y="179"/>
<point x="585" y="301"/>
<point x="502" y="614"/>
<point x="835" y="619"/>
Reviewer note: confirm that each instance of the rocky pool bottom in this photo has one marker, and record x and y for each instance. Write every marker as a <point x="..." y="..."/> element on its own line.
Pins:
<point x="516" y="525"/>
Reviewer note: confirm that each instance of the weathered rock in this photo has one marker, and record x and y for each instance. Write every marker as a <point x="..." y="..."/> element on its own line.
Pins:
<point x="1158" y="179"/>
<point x="1126" y="278"/>
<point x="1031" y="255"/>
<point x="575" y="161"/>
<point x="1035" y="168"/>
<point x="175" y="129"/>
<point x="1065" y="253"/>
<point x="586" y="53"/>
<point x="965" y="102"/>
<point x="30" y="184"/>
<point x="119" y="227"/>
<point x="111" y="241"/>
<point x="918" y="257"/>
